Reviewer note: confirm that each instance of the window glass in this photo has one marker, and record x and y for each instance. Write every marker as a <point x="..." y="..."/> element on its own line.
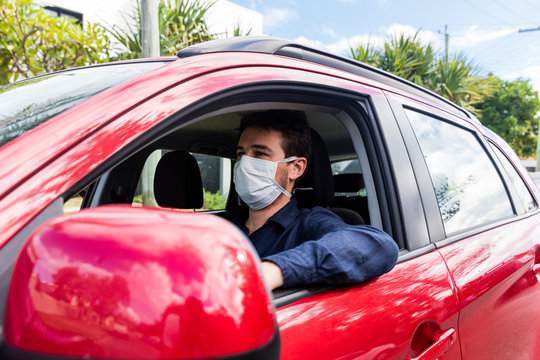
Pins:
<point x="521" y="189"/>
<point x="348" y="179"/>
<point x="74" y="203"/>
<point x="216" y="179"/>
<point x="215" y="174"/>
<point x="346" y="167"/>
<point x="468" y="188"/>
<point x="29" y="103"/>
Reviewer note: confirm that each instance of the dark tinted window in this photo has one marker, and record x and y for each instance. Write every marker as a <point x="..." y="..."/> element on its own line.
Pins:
<point x="468" y="188"/>
<point x="26" y="104"/>
<point x="521" y="189"/>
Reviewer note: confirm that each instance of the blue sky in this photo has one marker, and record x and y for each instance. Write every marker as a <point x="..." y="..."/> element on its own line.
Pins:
<point x="487" y="31"/>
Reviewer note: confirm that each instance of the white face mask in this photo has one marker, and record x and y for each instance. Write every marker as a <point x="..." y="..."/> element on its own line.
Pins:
<point x="255" y="181"/>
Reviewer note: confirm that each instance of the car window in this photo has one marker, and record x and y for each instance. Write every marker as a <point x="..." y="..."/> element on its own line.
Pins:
<point x="346" y="167"/>
<point x="348" y="179"/>
<point x="522" y="190"/>
<point x="468" y="188"/>
<point x="215" y="174"/>
<point x="216" y="178"/>
<point x="74" y="203"/>
<point x="55" y="93"/>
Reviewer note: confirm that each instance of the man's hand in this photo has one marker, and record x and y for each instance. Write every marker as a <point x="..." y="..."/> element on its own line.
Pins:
<point x="272" y="274"/>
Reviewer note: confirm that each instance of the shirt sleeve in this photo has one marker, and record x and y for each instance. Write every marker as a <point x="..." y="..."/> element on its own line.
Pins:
<point x="347" y="254"/>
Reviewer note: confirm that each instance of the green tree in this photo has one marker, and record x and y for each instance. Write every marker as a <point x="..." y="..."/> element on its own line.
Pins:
<point x="457" y="79"/>
<point x="33" y="42"/>
<point x="454" y="77"/>
<point x="181" y="23"/>
<point x="513" y="114"/>
<point x="404" y="56"/>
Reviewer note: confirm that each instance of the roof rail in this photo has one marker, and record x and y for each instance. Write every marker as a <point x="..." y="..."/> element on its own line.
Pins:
<point x="277" y="46"/>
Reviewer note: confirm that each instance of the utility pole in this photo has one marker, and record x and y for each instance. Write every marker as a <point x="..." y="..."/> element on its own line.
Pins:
<point x="446" y="41"/>
<point x="150" y="28"/>
<point x="150" y="48"/>
<point x="537" y="135"/>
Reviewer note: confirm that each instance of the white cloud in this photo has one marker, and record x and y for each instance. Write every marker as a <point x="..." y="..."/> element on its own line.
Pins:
<point x="475" y="35"/>
<point x="276" y="16"/>
<point x="342" y="45"/>
<point x="425" y="36"/>
<point x="532" y="73"/>
<point x="329" y="31"/>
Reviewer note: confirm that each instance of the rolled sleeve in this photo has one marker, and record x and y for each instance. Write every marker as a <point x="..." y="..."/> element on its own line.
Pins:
<point x="351" y="254"/>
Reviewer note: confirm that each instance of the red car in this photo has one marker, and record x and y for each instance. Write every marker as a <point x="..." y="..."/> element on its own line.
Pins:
<point x="146" y="270"/>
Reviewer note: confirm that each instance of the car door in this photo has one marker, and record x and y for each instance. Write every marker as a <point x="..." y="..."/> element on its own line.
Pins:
<point x="411" y="311"/>
<point x="488" y="236"/>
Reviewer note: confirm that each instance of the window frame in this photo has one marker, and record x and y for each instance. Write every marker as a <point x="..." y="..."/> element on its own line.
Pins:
<point x="520" y="206"/>
<point x="434" y="219"/>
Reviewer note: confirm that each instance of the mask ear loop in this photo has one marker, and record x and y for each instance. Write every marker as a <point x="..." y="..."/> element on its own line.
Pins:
<point x="281" y="189"/>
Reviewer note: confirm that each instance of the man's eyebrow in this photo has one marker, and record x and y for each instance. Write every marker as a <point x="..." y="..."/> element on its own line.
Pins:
<point x="255" y="146"/>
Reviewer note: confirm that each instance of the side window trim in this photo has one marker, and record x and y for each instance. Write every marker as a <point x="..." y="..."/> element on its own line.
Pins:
<point x="480" y="141"/>
<point x="429" y="201"/>
<point x="519" y="205"/>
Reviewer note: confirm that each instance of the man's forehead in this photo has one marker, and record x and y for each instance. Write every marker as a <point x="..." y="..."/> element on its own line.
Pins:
<point x="260" y="137"/>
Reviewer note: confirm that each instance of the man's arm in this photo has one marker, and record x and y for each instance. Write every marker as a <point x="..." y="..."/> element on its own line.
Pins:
<point x="351" y="254"/>
<point x="272" y="274"/>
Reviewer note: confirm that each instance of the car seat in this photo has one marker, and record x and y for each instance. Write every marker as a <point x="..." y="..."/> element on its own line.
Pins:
<point x="347" y="193"/>
<point x="177" y="181"/>
<point x="316" y="188"/>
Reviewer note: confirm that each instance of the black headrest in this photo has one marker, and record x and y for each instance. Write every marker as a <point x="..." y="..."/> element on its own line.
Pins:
<point x="348" y="183"/>
<point x="177" y="181"/>
<point x="317" y="187"/>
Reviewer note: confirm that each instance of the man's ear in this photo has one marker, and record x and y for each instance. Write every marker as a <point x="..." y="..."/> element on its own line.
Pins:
<point x="299" y="167"/>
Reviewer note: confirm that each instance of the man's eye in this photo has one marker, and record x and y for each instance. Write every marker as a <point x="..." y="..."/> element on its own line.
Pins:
<point x="260" y="153"/>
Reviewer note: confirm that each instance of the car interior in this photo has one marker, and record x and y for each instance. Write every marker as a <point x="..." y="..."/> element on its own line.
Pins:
<point x="190" y="168"/>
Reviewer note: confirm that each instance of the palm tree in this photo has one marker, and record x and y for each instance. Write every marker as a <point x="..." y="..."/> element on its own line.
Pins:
<point x="404" y="56"/>
<point x="181" y="24"/>
<point x="457" y="80"/>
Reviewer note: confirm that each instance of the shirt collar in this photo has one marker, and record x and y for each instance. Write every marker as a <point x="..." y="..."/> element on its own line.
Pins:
<point x="287" y="214"/>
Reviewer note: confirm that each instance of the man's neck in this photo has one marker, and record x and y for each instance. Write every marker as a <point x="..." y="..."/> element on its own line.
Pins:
<point x="258" y="218"/>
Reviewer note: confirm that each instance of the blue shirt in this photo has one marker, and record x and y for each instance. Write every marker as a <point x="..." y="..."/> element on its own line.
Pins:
<point x="315" y="246"/>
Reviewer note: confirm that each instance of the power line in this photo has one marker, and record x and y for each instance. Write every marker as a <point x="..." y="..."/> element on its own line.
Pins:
<point x="532" y="5"/>
<point x="486" y="13"/>
<point x="513" y="12"/>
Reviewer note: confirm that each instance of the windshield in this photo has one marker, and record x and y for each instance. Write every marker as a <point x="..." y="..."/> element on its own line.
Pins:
<point x="29" y="103"/>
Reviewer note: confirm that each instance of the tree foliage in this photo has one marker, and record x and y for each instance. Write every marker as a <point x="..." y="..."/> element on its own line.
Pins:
<point x="513" y="114"/>
<point x="181" y="24"/>
<point x="457" y="80"/>
<point x="509" y="108"/>
<point x="404" y="56"/>
<point x="33" y="42"/>
<point x="452" y="77"/>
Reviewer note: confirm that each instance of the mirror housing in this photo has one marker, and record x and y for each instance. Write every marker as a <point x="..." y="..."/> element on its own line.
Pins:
<point x="139" y="283"/>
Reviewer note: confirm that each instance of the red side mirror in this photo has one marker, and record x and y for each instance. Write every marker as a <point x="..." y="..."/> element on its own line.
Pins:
<point x="139" y="283"/>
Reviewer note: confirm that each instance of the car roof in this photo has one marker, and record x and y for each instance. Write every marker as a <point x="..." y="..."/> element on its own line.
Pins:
<point x="282" y="47"/>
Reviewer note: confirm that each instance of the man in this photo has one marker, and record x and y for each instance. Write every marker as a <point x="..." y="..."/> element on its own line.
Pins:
<point x="298" y="246"/>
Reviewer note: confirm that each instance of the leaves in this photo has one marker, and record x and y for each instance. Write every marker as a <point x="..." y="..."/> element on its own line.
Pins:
<point x="181" y="24"/>
<point x="512" y="112"/>
<point x="404" y="56"/>
<point x="508" y="108"/>
<point x="33" y="42"/>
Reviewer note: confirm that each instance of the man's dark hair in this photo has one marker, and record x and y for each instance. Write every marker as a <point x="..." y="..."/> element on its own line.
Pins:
<point x="291" y="124"/>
